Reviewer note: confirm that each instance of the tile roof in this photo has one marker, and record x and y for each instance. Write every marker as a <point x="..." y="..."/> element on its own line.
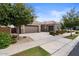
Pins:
<point x="41" y="23"/>
<point x="49" y="22"/>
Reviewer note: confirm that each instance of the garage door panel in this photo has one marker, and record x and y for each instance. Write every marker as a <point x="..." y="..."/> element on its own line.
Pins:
<point x="31" y="29"/>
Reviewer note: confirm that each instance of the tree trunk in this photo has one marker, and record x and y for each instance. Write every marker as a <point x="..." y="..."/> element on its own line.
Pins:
<point x="10" y="31"/>
<point x="18" y="32"/>
<point x="71" y="31"/>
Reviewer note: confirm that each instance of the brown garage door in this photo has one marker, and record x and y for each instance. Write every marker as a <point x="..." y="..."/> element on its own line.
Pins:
<point x="31" y="29"/>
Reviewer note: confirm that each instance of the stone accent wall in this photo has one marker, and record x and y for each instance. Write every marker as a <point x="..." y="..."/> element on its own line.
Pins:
<point x="5" y="29"/>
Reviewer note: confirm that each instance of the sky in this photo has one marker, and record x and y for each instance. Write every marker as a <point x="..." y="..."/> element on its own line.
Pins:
<point x="52" y="11"/>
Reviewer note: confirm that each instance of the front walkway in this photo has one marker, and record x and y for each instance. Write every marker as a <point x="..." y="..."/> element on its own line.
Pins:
<point x="52" y="44"/>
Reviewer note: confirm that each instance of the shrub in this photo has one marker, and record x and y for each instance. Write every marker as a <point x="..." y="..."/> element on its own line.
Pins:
<point x="5" y="40"/>
<point x="77" y="32"/>
<point x="52" y="33"/>
<point x="14" y="39"/>
<point x="57" y="32"/>
<point x="69" y="31"/>
<point x="62" y="31"/>
<point x="14" y="36"/>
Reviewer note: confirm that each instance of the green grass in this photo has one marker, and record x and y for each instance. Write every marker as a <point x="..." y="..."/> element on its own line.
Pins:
<point x="36" y="51"/>
<point x="71" y="37"/>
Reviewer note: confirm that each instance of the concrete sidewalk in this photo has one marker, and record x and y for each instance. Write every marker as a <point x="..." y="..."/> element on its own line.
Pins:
<point x="64" y="51"/>
<point x="53" y="46"/>
<point x="15" y="48"/>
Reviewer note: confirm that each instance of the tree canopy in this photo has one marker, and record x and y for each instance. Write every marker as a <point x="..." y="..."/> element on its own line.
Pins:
<point x="5" y="10"/>
<point x="16" y="14"/>
<point x="71" y="18"/>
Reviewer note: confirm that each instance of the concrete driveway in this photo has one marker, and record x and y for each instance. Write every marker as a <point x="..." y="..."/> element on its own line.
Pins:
<point x="52" y="44"/>
<point x="40" y="38"/>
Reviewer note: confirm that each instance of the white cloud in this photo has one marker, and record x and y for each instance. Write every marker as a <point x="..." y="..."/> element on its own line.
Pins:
<point x="47" y="19"/>
<point x="54" y="15"/>
<point x="57" y="15"/>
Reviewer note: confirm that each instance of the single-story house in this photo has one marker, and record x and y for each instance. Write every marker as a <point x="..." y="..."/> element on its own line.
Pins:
<point x="36" y="26"/>
<point x="40" y="27"/>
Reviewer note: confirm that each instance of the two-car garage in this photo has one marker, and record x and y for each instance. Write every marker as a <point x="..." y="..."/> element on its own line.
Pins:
<point x="27" y="29"/>
<point x="31" y="29"/>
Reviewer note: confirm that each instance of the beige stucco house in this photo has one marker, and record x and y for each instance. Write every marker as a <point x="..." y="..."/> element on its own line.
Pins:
<point x="36" y="26"/>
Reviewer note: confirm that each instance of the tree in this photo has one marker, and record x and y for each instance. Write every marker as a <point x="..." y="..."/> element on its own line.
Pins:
<point x="16" y="14"/>
<point x="62" y="26"/>
<point x="77" y="19"/>
<point x="69" y="20"/>
<point x="5" y="10"/>
<point x="22" y="16"/>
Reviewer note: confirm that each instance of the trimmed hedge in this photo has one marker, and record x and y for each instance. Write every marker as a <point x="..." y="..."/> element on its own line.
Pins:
<point x="52" y="33"/>
<point x="5" y="40"/>
<point x="14" y="39"/>
<point x="77" y="32"/>
<point x="64" y="31"/>
<point x="57" y="32"/>
<point x="69" y="31"/>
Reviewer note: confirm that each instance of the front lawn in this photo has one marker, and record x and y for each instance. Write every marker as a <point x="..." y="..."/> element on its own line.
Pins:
<point x="36" y="51"/>
<point x="71" y="37"/>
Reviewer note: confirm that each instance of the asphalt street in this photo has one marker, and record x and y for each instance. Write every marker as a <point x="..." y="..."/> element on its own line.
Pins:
<point x="75" y="51"/>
